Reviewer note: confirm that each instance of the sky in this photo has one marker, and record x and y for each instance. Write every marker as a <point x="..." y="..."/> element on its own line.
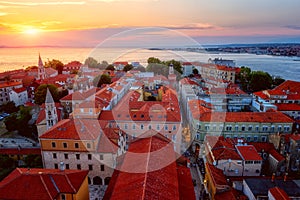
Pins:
<point x="92" y="22"/>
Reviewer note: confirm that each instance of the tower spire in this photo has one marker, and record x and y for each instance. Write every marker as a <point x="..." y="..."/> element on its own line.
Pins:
<point x="50" y="109"/>
<point x="41" y="69"/>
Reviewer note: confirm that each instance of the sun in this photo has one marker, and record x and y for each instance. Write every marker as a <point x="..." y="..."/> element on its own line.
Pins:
<point x="31" y="31"/>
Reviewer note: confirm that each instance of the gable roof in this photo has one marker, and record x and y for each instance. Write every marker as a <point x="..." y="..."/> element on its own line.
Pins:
<point x="41" y="184"/>
<point x="144" y="181"/>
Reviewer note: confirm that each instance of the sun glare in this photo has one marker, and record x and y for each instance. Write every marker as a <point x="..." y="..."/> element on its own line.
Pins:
<point x="31" y="31"/>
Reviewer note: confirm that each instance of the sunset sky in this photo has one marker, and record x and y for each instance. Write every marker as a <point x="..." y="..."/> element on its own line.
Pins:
<point x="89" y="22"/>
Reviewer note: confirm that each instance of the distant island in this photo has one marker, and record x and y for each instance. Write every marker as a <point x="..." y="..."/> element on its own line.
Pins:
<point x="280" y="49"/>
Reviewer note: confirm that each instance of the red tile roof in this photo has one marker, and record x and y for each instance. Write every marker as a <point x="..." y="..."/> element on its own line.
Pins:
<point x="279" y="194"/>
<point x="248" y="152"/>
<point x="187" y="81"/>
<point x="19" y="90"/>
<point x="146" y="179"/>
<point x="41" y="184"/>
<point x="74" y="129"/>
<point x="76" y="96"/>
<point x="295" y="137"/>
<point x="232" y="194"/>
<point x="216" y="175"/>
<point x="221" y="149"/>
<point x="10" y="84"/>
<point x="261" y="117"/>
<point x="130" y="109"/>
<point x="288" y="107"/>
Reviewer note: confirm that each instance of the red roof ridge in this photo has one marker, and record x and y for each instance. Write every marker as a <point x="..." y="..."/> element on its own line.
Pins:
<point x="45" y="186"/>
<point x="68" y="180"/>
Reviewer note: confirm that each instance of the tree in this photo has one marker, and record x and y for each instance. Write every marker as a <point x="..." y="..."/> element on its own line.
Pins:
<point x="176" y="65"/>
<point x="141" y="68"/>
<point x="40" y="93"/>
<point x="244" y="77"/>
<point x="102" y="79"/>
<point x="260" y="81"/>
<point x="103" y="65"/>
<point x="10" y="122"/>
<point x="153" y="60"/>
<point x="277" y="81"/>
<point x="110" y="67"/>
<point x="9" y="107"/>
<point x="55" y="64"/>
<point x="195" y="71"/>
<point x="127" y="68"/>
<point x="91" y="62"/>
<point x="160" y="69"/>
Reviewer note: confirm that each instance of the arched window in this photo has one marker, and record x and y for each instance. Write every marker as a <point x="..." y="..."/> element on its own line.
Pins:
<point x="97" y="180"/>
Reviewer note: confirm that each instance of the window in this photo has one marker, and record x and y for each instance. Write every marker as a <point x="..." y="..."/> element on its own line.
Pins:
<point x="228" y="128"/>
<point x="149" y="127"/>
<point x="53" y="144"/>
<point x="248" y="162"/>
<point x="265" y="129"/>
<point x="79" y="166"/>
<point x="257" y="162"/>
<point x="90" y="167"/>
<point x="248" y="138"/>
<point x="78" y="156"/>
<point x="198" y="126"/>
<point x="264" y="138"/>
<point x="63" y="197"/>
<point x="239" y="162"/>
<point x="65" y="145"/>
<point x="174" y="137"/>
<point x="279" y="128"/>
<point x="66" y="156"/>
<point x="142" y="126"/>
<point x="221" y="128"/>
<point x="56" y="166"/>
<point x="157" y="127"/>
<point x="125" y="126"/>
<point x="102" y="168"/>
<point x="166" y="127"/>
<point x="286" y="129"/>
<point x="214" y="128"/>
<point x="101" y="157"/>
<point x="133" y="126"/>
<point x="207" y="127"/>
<point x="76" y="145"/>
<point x="243" y="128"/>
<point x="174" y="127"/>
<point x="272" y="129"/>
<point x="257" y="128"/>
<point x="89" y="156"/>
<point x="236" y="128"/>
<point x="198" y="136"/>
<point x="54" y="155"/>
<point x="88" y="145"/>
<point x="255" y="138"/>
<point x="67" y="166"/>
<point x="249" y="128"/>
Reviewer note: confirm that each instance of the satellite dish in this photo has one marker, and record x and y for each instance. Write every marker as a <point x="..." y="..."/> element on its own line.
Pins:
<point x="229" y="160"/>
<point x="214" y="163"/>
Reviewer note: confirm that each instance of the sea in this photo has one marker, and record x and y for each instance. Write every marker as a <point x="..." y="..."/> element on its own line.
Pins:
<point x="20" y="58"/>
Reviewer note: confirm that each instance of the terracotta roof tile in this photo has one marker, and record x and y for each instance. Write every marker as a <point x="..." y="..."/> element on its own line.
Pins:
<point x="248" y="152"/>
<point x="41" y="184"/>
<point x="279" y="194"/>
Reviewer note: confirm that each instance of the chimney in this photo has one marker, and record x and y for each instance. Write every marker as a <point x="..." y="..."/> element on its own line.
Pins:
<point x="62" y="166"/>
<point x="285" y="177"/>
<point x="273" y="177"/>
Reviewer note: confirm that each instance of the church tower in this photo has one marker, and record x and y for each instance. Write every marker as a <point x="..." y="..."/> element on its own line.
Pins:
<point x="50" y="109"/>
<point x="41" y="69"/>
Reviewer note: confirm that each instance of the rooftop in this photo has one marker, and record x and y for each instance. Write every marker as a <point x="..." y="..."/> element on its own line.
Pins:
<point x="41" y="184"/>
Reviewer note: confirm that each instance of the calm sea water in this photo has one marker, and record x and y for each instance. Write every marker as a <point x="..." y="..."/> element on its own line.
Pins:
<point x="16" y="58"/>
